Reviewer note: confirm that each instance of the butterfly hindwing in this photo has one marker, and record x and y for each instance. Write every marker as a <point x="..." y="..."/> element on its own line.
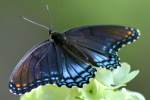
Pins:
<point x="101" y="43"/>
<point x="75" y="72"/>
<point x="48" y="63"/>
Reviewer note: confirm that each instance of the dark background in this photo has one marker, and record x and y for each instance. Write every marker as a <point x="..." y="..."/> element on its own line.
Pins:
<point x="17" y="35"/>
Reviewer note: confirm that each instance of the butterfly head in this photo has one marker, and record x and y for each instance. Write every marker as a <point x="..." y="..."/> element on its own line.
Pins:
<point x="58" y="38"/>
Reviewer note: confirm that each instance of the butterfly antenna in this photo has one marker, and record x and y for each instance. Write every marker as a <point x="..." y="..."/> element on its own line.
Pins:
<point x="49" y="15"/>
<point x="35" y="23"/>
<point x="47" y="9"/>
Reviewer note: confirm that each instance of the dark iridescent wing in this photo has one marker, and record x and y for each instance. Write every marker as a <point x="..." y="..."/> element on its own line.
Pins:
<point x="101" y="43"/>
<point x="29" y="72"/>
<point x="75" y="72"/>
<point x="47" y="63"/>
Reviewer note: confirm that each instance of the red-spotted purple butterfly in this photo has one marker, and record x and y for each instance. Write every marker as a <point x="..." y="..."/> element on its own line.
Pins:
<point x="71" y="58"/>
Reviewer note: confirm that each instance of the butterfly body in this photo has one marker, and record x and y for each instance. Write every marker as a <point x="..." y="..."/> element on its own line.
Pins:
<point x="70" y="58"/>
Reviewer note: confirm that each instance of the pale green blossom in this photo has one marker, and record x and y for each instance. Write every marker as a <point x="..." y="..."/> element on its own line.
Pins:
<point x="116" y="78"/>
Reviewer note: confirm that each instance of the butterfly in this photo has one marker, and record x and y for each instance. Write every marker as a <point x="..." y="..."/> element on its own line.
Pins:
<point x="71" y="58"/>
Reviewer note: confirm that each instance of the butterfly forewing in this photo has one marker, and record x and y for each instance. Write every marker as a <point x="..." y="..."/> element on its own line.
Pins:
<point x="38" y="64"/>
<point x="102" y="42"/>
